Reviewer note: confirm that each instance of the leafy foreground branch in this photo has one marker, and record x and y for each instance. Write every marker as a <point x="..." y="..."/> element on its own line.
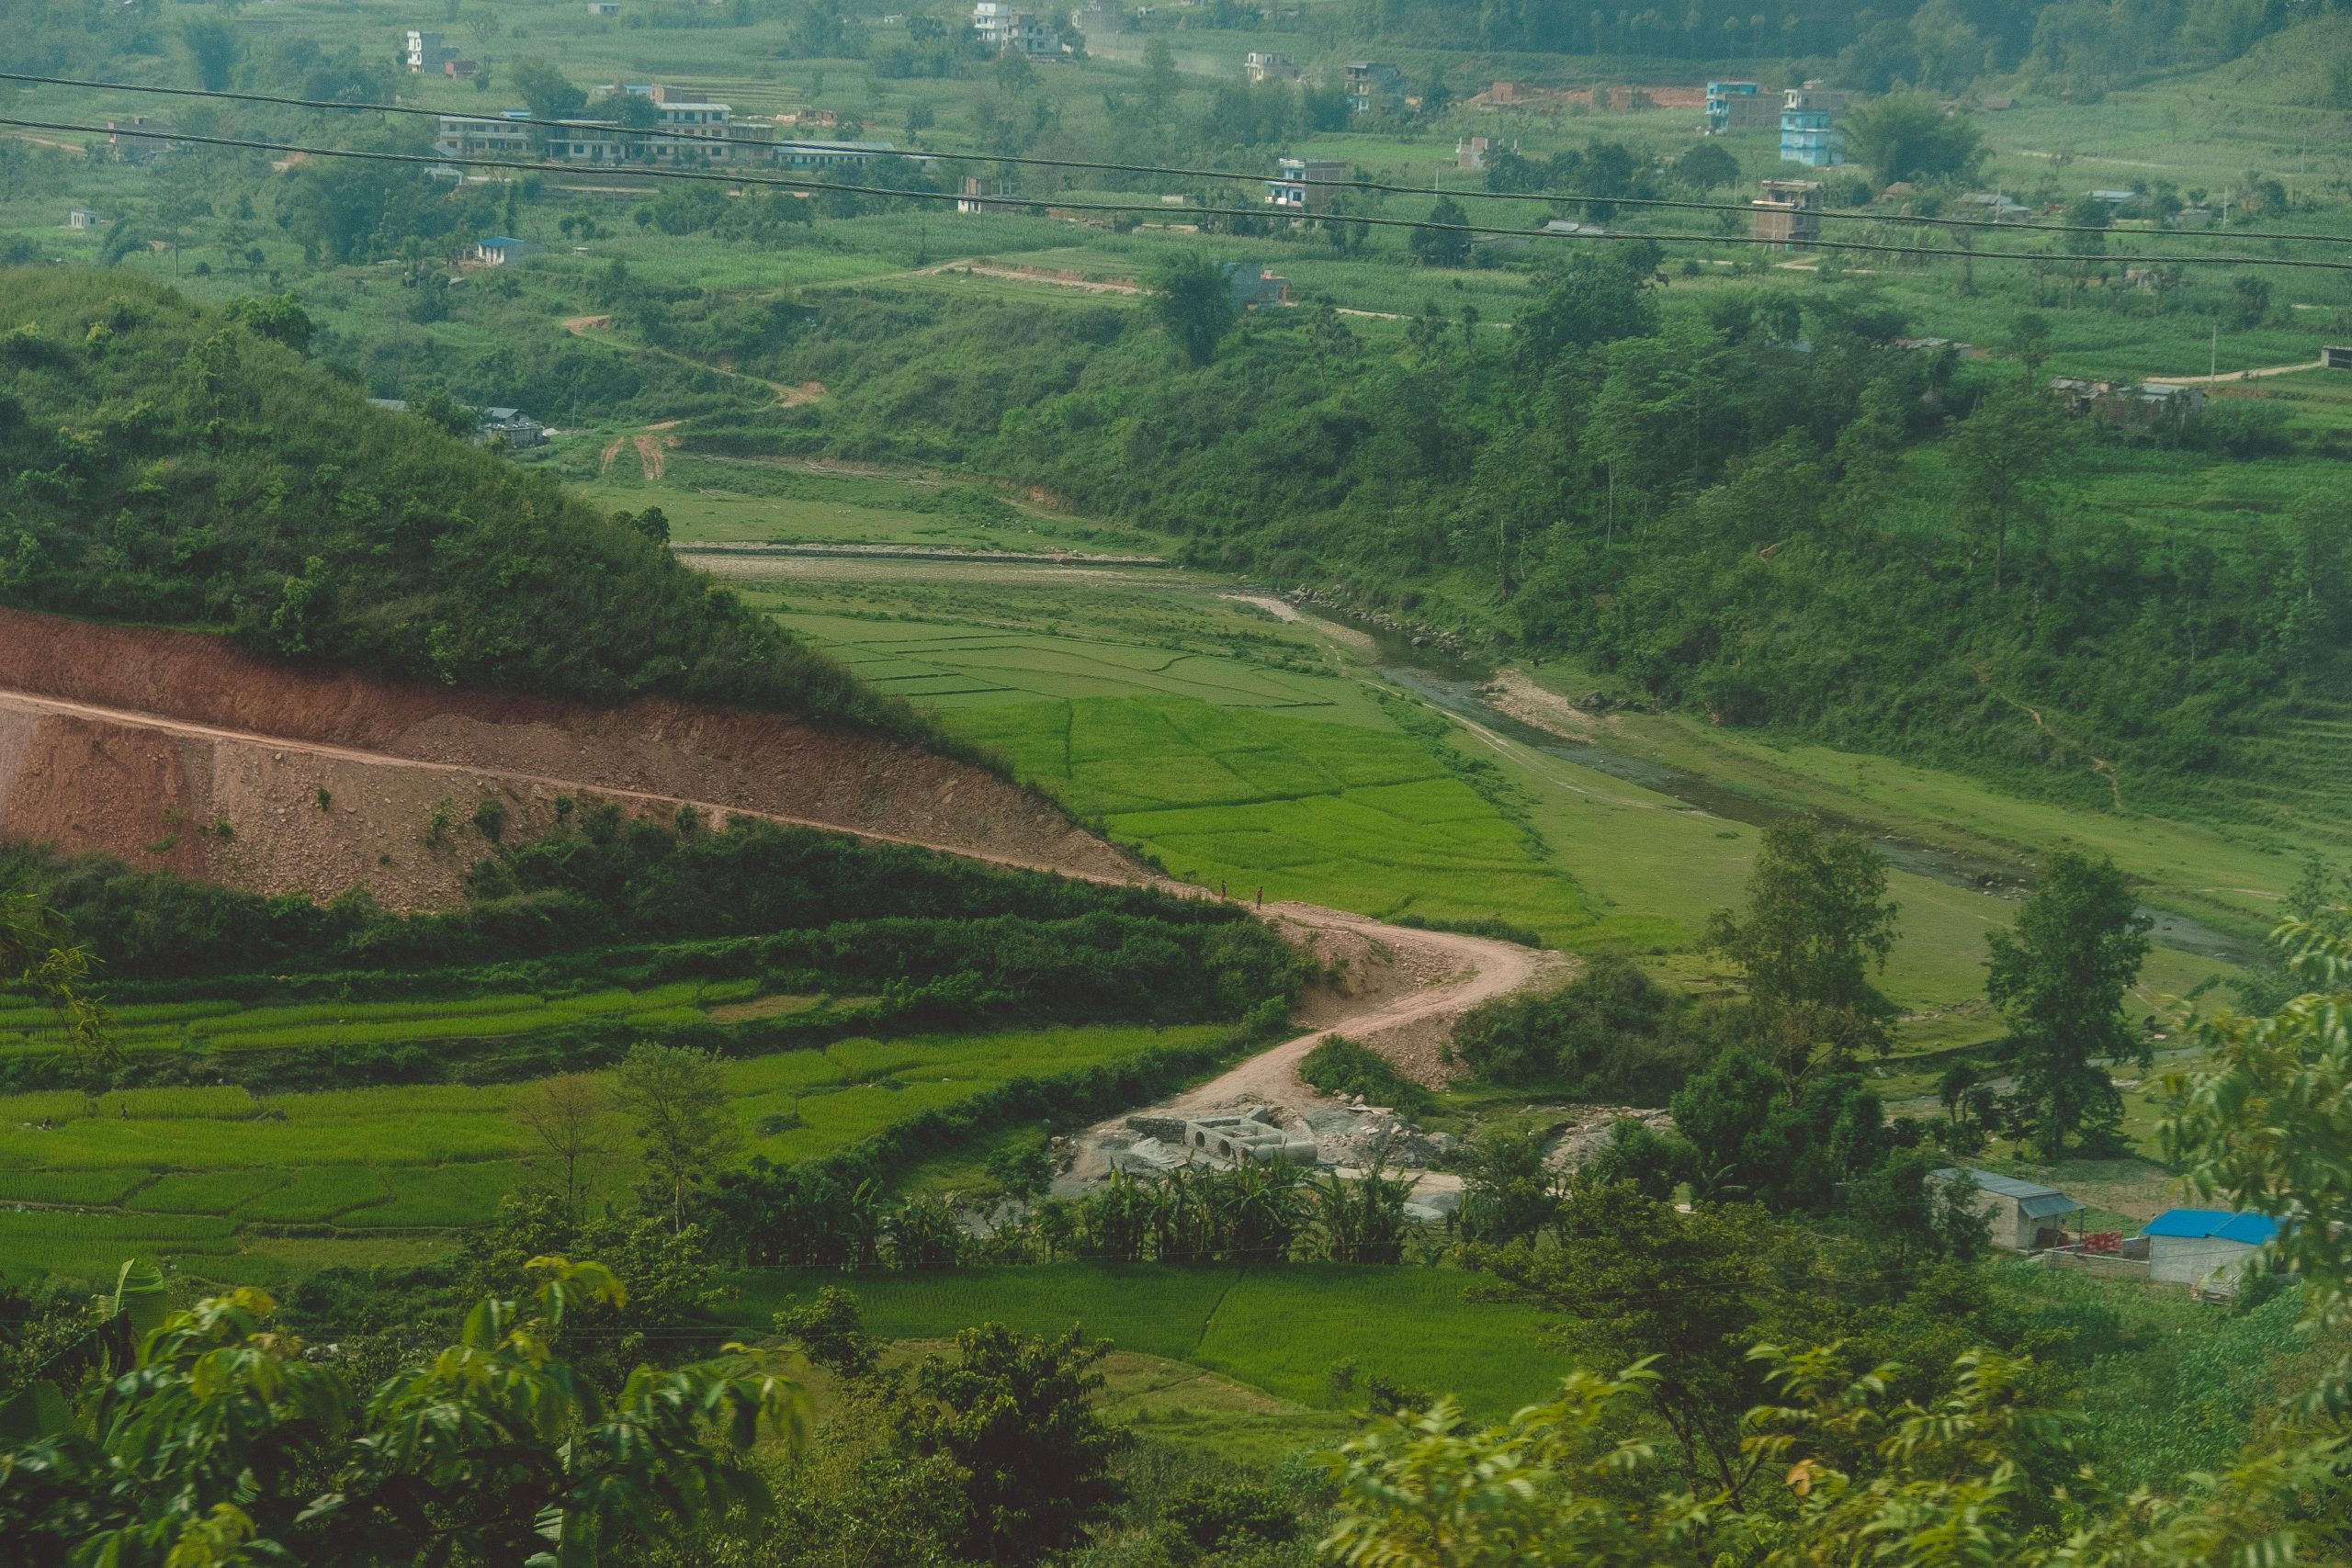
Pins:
<point x="224" y="1440"/>
<point x="1840" y="1469"/>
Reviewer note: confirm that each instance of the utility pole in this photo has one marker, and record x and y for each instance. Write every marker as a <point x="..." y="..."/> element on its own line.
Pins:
<point x="2213" y="354"/>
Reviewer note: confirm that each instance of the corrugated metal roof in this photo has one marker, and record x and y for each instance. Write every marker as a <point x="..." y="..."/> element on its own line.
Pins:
<point x="2250" y="1230"/>
<point x="2006" y="1186"/>
<point x="2052" y="1203"/>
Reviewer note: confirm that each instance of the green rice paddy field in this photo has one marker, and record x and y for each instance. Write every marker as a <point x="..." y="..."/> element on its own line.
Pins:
<point x="1282" y="1328"/>
<point x="199" y="1175"/>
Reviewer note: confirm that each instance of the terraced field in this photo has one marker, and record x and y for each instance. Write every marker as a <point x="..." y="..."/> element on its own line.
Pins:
<point x="203" y="1175"/>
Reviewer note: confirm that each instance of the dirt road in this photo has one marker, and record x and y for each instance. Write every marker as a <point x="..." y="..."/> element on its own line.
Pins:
<point x="2224" y="378"/>
<point x="1455" y="973"/>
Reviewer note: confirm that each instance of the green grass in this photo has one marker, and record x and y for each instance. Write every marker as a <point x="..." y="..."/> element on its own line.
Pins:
<point x="1281" y="1329"/>
<point x="437" y="1157"/>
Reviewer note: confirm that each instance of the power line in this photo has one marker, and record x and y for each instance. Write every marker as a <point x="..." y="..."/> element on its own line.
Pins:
<point x="1178" y="170"/>
<point x="814" y="186"/>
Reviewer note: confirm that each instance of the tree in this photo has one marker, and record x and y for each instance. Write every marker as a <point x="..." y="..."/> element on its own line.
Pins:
<point x="1444" y="245"/>
<point x="2059" y="975"/>
<point x="1017" y="1414"/>
<point x="223" y="1442"/>
<point x="678" y="1097"/>
<point x="1160" y="80"/>
<point x="1911" y="1219"/>
<point x="1706" y="167"/>
<point x="1636" y="1277"/>
<point x="569" y="1116"/>
<point x="1193" y="301"/>
<point x="1817" y="922"/>
<point x="2030" y="340"/>
<point x="1509" y="1192"/>
<point x="1908" y="136"/>
<point x="546" y="91"/>
<point x="2007" y="454"/>
<point x="830" y="1333"/>
<point x="39" y="951"/>
<point x="1588" y="300"/>
<point x="213" y="49"/>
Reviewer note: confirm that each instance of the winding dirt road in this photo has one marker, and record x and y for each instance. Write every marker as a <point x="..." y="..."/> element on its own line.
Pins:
<point x="1462" y="972"/>
<point x="1412" y="980"/>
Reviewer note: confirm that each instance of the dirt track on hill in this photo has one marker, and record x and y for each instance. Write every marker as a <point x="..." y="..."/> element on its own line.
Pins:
<point x="173" y="750"/>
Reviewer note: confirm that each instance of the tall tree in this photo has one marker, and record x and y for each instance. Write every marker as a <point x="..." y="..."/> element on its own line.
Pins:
<point x="678" y="1098"/>
<point x="2008" y="453"/>
<point x="1017" y="1414"/>
<point x="569" y="1114"/>
<point x="213" y="49"/>
<point x="1818" y="923"/>
<point x="1445" y="245"/>
<point x="1908" y="136"/>
<point x="1193" y="299"/>
<point x="2059" y="975"/>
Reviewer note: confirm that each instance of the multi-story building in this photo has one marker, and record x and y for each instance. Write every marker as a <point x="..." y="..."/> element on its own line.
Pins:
<point x="1372" y="86"/>
<point x="1788" y="212"/>
<point x="1294" y="189"/>
<point x="1005" y="29"/>
<point x="1739" y="105"/>
<point x="1260" y="66"/>
<point x="503" y="135"/>
<point x="426" y="52"/>
<point x="1809" y="133"/>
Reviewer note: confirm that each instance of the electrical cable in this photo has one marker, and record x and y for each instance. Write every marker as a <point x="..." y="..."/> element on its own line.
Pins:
<point x="813" y="187"/>
<point x="1177" y="171"/>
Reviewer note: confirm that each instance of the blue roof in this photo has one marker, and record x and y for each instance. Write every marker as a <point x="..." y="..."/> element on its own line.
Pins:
<point x="502" y="240"/>
<point x="2251" y="1230"/>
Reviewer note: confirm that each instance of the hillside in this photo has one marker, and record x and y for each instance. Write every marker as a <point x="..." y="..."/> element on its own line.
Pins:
<point x="1739" y="502"/>
<point x="164" y="462"/>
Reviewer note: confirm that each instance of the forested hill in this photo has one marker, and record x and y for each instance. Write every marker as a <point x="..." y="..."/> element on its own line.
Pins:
<point x="162" y="462"/>
<point x="1761" y="508"/>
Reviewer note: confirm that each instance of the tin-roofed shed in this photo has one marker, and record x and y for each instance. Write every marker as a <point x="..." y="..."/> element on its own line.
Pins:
<point x="2025" y="1215"/>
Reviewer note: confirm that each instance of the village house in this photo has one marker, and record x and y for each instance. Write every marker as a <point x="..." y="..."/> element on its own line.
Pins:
<point x="2127" y="405"/>
<point x="1787" y="213"/>
<point x="1739" y="105"/>
<point x="974" y="196"/>
<point x="138" y="138"/>
<point x="2329" y="358"/>
<point x="1004" y="29"/>
<point x="1293" y="186"/>
<point x="1263" y="67"/>
<point x="426" y="52"/>
<point x="2204" y="1248"/>
<point x="1252" y="287"/>
<point x="604" y="8"/>
<point x="83" y="218"/>
<point x="1372" y="86"/>
<point x="2025" y="1215"/>
<point x="1809" y="133"/>
<point x="1471" y="151"/>
<point x="459" y="70"/>
<point x="514" y="427"/>
<point x="1996" y="206"/>
<point x="498" y="250"/>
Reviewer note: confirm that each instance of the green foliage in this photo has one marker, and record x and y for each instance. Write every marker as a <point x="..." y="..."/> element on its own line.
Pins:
<point x="220" y="1442"/>
<point x="1817" y="922"/>
<point x="1753" y="1135"/>
<point x="1015" y="1415"/>
<point x="1611" y="1035"/>
<point x="678" y="1100"/>
<point x="2060" y="976"/>
<point x="1908" y="136"/>
<point x="1192" y="301"/>
<point x="1340" y="1066"/>
<point x="198" y="471"/>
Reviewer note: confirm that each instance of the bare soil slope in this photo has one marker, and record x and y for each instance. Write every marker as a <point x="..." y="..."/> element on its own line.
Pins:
<point x="172" y="749"/>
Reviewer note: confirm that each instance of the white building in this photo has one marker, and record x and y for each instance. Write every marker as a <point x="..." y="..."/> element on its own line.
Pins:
<point x="2204" y="1247"/>
<point x="426" y="52"/>
<point x="1004" y="29"/>
<point x="2023" y="1213"/>
<point x="1295" y="187"/>
<point x="1265" y="67"/>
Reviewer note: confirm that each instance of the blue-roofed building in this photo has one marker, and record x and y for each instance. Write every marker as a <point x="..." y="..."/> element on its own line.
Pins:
<point x="1738" y="106"/>
<point x="2204" y="1246"/>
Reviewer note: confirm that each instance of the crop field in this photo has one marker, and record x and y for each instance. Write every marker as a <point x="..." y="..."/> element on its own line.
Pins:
<point x="179" y="1171"/>
<point x="1282" y="1328"/>
<point x="229" y="1026"/>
